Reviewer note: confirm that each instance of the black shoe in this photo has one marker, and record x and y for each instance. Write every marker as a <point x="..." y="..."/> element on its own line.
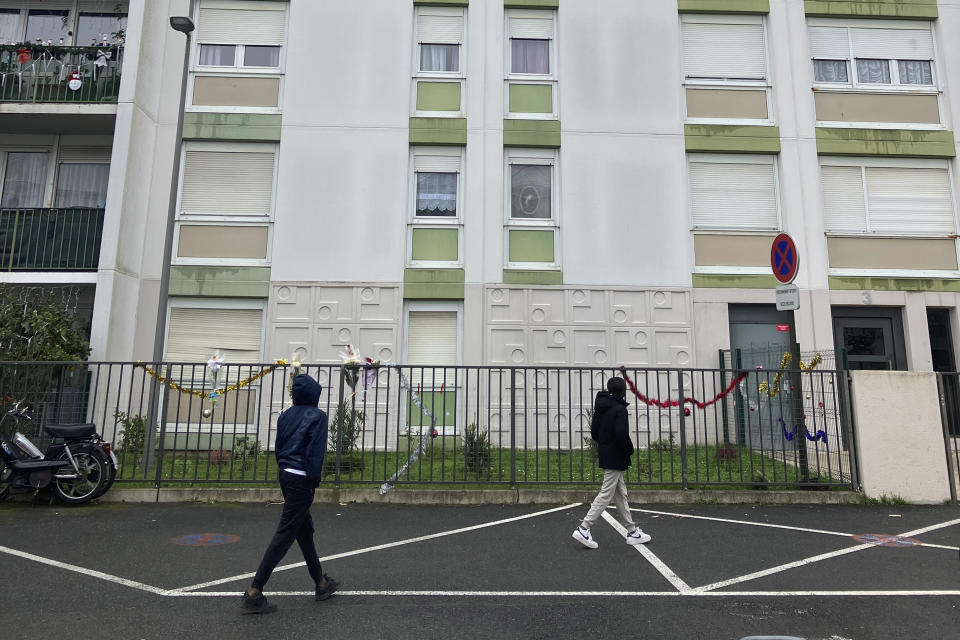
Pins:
<point x="258" y="604"/>
<point x="328" y="589"/>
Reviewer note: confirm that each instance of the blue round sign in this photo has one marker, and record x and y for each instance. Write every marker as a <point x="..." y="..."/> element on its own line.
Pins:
<point x="784" y="258"/>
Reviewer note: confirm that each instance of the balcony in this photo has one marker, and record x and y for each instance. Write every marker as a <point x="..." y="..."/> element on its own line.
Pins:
<point x="50" y="239"/>
<point x="56" y="74"/>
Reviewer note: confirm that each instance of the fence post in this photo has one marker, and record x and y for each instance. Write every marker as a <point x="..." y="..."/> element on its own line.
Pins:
<point x="796" y="382"/>
<point x="942" y="393"/>
<point x="684" y="472"/>
<point x="513" y="428"/>
<point x="724" y="412"/>
<point x="846" y="387"/>
<point x="161" y="446"/>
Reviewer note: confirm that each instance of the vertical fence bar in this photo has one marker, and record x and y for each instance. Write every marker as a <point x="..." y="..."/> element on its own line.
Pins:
<point x="948" y="449"/>
<point x="685" y="480"/>
<point x="513" y="428"/>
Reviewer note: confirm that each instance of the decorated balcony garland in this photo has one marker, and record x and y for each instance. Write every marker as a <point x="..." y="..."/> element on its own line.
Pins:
<point x="665" y="404"/>
<point x="787" y="357"/>
<point x="214" y="394"/>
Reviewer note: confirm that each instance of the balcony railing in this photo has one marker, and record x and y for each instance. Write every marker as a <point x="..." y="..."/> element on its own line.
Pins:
<point x="41" y="73"/>
<point x="50" y="239"/>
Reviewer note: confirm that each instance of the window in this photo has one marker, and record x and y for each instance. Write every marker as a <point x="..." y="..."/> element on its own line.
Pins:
<point x="439" y="38"/>
<point x="531" y="216"/>
<point x="531" y="187"/>
<point x="232" y="36"/>
<point x="871" y="57"/>
<point x="531" y="73"/>
<point x="95" y="28"/>
<point x="436" y="194"/>
<point x="436" y="223"/>
<point x="46" y="25"/>
<point x="82" y="185"/>
<point x="24" y="180"/>
<point x="9" y="25"/>
<point x="433" y="352"/>
<point x="58" y="26"/>
<point x="221" y="179"/>
<point x="195" y="333"/>
<point x="724" y="49"/>
<point x="733" y="192"/>
<point x="887" y="197"/>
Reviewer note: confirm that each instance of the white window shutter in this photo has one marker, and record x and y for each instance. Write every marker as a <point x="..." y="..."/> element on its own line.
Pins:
<point x="439" y="28"/>
<point x="893" y="44"/>
<point x="436" y="164"/>
<point x="712" y="50"/>
<point x="432" y="339"/>
<point x="733" y="196"/>
<point x="829" y="43"/>
<point x="194" y="335"/>
<point x="844" y="207"/>
<point x="909" y="200"/>
<point x="531" y="25"/>
<point x="241" y="26"/>
<point x="227" y="183"/>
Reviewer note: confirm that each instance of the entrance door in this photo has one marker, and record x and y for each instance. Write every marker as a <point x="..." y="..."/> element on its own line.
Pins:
<point x="760" y="335"/>
<point x="872" y="337"/>
<point x="941" y="347"/>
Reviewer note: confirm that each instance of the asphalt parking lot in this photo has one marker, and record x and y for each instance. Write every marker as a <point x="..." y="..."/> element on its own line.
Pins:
<point x="711" y="572"/>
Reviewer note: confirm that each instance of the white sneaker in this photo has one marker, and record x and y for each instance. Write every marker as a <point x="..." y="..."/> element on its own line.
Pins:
<point x="638" y="537"/>
<point x="582" y="536"/>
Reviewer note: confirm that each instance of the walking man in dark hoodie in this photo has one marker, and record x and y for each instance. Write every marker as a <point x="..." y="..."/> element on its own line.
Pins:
<point x="300" y="447"/>
<point x="611" y="431"/>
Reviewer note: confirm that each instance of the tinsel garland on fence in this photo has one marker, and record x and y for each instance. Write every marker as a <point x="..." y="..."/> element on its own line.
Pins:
<point x="787" y="357"/>
<point x="432" y="433"/>
<point x="789" y="435"/>
<point x="663" y="404"/>
<point x="215" y="393"/>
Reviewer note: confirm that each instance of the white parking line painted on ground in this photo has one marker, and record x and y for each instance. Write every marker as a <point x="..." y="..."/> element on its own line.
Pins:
<point x="82" y="570"/>
<point x="583" y="594"/>
<point x="378" y="547"/>
<point x="650" y="556"/>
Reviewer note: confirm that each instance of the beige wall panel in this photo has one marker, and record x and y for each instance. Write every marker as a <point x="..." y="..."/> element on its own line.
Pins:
<point x="892" y="253"/>
<point x="726" y="103"/>
<point x="202" y="241"/>
<point x="861" y="107"/>
<point x="236" y="92"/>
<point x="732" y="251"/>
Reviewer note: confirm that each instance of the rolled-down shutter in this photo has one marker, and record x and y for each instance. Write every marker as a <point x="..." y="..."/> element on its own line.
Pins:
<point x="436" y="164"/>
<point x="432" y="338"/>
<point x="95" y="155"/>
<point x="712" y="50"/>
<point x="844" y="207"/>
<point x="829" y="43"/>
<point x="534" y="25"/>
<point x="227" y="183"/>
<point x="241" y="25"/>
<point x="194" y="335"/>
<point x="436" y="26"/>
<point x="909" y="200"/>
<point x="893" y="44"/>
<point x="733" y="196"/>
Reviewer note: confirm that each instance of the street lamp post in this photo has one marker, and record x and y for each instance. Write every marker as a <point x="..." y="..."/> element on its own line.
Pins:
<point x="184" y="25"/>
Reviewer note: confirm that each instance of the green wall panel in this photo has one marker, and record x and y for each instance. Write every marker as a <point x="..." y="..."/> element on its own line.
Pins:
<point x="843" y="283"/>
<point x="438" y="131"/>
<point x="921" y="9"/>
<point x="246" y="127"/>
<point x="531" y="133"/>
<point x="711" y="281"/>
<point x="712" y="138"/>
<point x="433" y="284"/>
<point x="724" y="6"/>
<point x="531" y="4"/>
<point x="531" y="246"/>
<point x="522" y="276"/>
<point x="235" y="282"/>
<point x="531" y="98"/>
<point x="438" y="96"/>
<point x="435" y="244"/>
<point x="443" y="405"/>
<point x="885" y="142"/>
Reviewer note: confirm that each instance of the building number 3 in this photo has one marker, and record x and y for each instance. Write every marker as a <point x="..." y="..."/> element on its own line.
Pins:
<point x="866" y="297"/>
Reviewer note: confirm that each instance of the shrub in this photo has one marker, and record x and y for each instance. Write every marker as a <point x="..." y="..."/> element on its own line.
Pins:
<point x="345" y="429"/>
<point x="246" y="449"/>
<point x="132" y="436"/>
<point x="664" y="446"/>
<point x="476" y="450"/>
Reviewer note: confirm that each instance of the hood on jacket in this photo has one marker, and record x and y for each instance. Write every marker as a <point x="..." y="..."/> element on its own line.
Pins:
<point x="606" y="401"/>
<point x="305" y="391"/>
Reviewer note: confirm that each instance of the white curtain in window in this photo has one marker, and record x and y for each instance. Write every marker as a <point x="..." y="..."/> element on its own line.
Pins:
<point x="915" y="72"/>
<point x="261" y="56"/>
<point x="530" y="191"/>
<point x="873" y="71"/>
<point x="9" y="19"/>
<point x="82" y="185"/>
<point x="46" y="25"/>
<point x="530" y="56"/>
<point x="440" y="57"/>
<point x="217" y="55"/>
<point x="24" y="180"/>
<point x="830" y="70"/>
<point x="436" y="194"/>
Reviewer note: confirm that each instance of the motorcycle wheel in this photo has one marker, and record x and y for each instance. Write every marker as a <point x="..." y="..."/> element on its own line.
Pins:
<point x="5" y="473"/>
<point x="111" y="476"/>
<point x="94" y="472"/>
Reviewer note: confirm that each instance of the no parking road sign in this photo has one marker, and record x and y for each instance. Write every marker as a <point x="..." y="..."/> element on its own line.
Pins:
<point x="784" y="258"/>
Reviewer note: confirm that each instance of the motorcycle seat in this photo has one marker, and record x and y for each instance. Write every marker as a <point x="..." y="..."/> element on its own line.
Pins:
<point x="71" y="431"/>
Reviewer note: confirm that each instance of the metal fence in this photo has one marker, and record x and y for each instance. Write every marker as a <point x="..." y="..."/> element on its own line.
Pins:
<point x="50" y="239"/>
<point x="51" y="73"/>
<point x="489" y="426"/>
<point x="949" y="387"/>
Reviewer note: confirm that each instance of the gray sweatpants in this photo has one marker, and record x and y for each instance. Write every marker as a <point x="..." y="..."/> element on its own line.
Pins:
<point x="613" y="488"/>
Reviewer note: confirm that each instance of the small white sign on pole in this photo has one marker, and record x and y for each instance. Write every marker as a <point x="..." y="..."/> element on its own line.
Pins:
<point x="788" y="297"/>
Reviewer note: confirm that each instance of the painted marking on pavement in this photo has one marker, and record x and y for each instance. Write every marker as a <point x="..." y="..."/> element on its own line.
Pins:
<point x="650" y="556"/>
<point x="886" y="540"/>
<point x="205" y="539"/>
<point x="581" y="594"/>
<point x="379" y="547"/>
<point x="87" y="572"/>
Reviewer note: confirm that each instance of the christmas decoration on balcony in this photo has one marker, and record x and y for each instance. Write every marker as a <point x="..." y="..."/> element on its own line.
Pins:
<point x="216" y="393"/>
<point x="787" y="357"/>
<point x="790" y="435"/>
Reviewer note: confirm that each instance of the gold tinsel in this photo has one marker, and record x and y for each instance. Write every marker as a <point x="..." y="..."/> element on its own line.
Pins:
<point x="215" y="393"/>
<point x="787" y="357"/>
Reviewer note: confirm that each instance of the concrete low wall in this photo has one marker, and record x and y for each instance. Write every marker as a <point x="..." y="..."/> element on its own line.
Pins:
<point x="900" y="436"/>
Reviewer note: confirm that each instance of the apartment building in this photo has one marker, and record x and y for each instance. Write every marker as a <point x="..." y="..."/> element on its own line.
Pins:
<point x="496" y="182"/>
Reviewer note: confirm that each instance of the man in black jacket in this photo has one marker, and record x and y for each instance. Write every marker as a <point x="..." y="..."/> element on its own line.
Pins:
<point x="300" y="448"/>
<point x="611" y="431"/>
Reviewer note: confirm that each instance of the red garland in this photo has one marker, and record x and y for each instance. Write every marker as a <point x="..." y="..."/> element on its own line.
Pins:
<point x="663" y="404"/>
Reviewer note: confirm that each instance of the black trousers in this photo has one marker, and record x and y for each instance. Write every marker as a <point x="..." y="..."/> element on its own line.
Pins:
<point x="295" y="524"/>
